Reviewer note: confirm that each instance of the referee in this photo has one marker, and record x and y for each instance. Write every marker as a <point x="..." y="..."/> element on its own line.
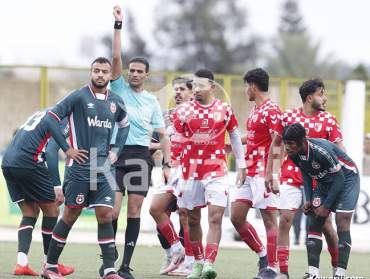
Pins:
<point x="144" y="114"/>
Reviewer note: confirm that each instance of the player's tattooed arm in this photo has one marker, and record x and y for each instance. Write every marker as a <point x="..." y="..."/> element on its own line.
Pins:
<point x="116" y="45"/>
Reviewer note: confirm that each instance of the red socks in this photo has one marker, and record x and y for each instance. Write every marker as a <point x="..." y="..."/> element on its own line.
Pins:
<point x="197" y="248"/>
<point x="283" y="257"/>
<point x="211" y="252"/>
<point x="249" y="235"/>
<point x="272" y="248"/>
<point x="188" y="249"/>
<point x="334" y="255"/>
<point x="168" y="231"/>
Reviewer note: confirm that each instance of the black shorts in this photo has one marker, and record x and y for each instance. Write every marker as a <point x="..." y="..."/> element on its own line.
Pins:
<point x="30" y="185"/>
<point x="346" y="200"/>
<point x="134" y="169"/>
<point x="83" y="194"/>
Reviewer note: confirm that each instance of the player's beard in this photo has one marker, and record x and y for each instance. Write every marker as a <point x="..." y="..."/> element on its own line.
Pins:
<point x="99" y="86"/>
<point x="199" y="98"/>
<point x="318" y="107"/>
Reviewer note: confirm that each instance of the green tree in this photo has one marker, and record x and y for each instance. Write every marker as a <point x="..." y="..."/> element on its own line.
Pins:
<point x="291" y="20"/>
<point x="204" y="33"/>
<point x="359" y="73"/>
<point x="295" y="53"/>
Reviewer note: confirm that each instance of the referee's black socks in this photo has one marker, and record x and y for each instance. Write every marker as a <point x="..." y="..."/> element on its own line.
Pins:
<point x="131" y="235"/>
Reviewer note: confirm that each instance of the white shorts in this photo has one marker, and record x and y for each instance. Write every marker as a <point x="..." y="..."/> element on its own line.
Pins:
<point x="174" y="180"/>
<point x="253" y="192"/>
<point x="290" y="197"/>
<point x="198" y="193"/>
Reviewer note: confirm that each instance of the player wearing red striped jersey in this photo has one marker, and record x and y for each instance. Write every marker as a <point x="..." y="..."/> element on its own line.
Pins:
<point x="263" y="125"/>
<point x="202" y="123"/>
<point x="318" y="124"/>
<point x="178" y="260"/>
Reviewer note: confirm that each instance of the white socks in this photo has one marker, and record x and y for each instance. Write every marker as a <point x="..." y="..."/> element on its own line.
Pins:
<point x="177" y="247"/>
<point x="107" y="270"/>
<point x="168" y="252"/>
<point x="340" y="271"/>
<point x="189" y="259"/>
<point x="22" y="259"/>
<point x="262" y="253"/>
<point x="313" y="270"/>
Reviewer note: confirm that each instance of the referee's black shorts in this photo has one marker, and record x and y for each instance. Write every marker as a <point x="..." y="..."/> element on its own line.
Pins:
<point x="133" y="170"/>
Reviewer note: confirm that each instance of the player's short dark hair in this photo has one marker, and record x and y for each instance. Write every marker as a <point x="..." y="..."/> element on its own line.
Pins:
<point x="309" y="87"/>
<point x="141" y="60"/>
<point x="187" y="81"/>
<point x="204" y="73"/>
<point x="101" y="60"/>
<point x="259" y="77"/>
<point x="294" y="132"/>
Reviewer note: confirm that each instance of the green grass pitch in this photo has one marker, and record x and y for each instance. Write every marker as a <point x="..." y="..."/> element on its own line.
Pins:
<point x="230" y="264"/>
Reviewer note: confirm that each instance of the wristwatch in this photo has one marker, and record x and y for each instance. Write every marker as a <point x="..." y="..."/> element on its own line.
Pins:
<point x="167" y="164"/>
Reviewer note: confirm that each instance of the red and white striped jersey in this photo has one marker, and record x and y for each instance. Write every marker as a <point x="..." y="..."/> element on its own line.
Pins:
<point x="321" y="125"/>
<point x="202" y="129"/>
<point x="262" y="121"/>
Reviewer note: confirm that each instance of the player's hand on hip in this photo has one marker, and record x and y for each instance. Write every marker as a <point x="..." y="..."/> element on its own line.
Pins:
<point x="117" y="12"/>
<point x="241" y="177"/>
<point x="59" y="196"/>
<point x="79" y="155"/>
<point x="307" y="206"/>
<point x="113" y="157"/>
<point x="322" y="212"/>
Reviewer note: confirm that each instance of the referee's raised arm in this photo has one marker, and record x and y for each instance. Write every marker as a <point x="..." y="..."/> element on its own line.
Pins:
<point x="116" y="44"/>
